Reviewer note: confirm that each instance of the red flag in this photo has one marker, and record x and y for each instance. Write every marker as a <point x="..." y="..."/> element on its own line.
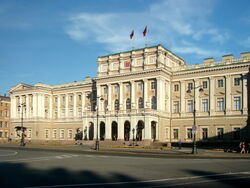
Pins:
<point x="145" y="31"/>
<point x="132" y="34"/>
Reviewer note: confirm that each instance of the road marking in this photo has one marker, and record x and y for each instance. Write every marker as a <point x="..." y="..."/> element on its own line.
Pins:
<point x="41" y="158"/>
<point x="159" y="180"/>
<point x="12" y="153"/>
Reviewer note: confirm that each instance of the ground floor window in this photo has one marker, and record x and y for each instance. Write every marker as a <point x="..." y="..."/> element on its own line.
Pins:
<point x="189" y="133"/>
<point x="176" y="133"/>
<point x="54" y="133"/>
<point x="70" y="133"/>
<point x="47" y="133"/>
<point x="236" y="133"/>
<point x="220" y="133"/>
<point x="204" y="133"/>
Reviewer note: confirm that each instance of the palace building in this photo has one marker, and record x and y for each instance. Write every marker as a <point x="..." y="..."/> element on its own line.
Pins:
<point x="4" y="118"/>
<point x="147" y="94"/>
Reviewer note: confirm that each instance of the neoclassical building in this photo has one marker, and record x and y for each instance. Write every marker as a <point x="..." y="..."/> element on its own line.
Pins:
<point x="4" y="118"/>
<point x="147" y="94"/>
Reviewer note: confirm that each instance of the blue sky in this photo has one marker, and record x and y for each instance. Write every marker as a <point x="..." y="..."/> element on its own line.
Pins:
<point x="58" y="41"/>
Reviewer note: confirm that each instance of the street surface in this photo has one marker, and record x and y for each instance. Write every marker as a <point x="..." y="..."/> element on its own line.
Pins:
<point x="30" y="168"/>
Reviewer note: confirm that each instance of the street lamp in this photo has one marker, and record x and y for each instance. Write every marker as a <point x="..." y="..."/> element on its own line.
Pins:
<point x="194" y="149"/>
<point x="97" y="129"/>
<point x="22" y="128"/>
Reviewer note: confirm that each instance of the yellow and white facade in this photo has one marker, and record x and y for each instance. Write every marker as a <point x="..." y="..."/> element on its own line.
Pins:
<point x="142" y="94"/>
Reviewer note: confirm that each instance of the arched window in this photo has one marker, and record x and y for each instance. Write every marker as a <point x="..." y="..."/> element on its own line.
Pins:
<point x="140" y="103"/>
<point x="128" y="104"/>
<point x="116" y="104"/>
<point x="153" y="103"/>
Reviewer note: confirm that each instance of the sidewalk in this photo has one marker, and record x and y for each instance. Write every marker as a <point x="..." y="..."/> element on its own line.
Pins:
<point x="133" y="151"/>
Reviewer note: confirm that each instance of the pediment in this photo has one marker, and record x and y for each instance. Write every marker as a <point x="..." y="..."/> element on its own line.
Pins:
<point x="21" y="87"/>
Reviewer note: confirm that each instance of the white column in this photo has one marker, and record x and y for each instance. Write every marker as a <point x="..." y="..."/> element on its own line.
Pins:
<point x="244" y="93"/>
<point x="35" y="113"/>
<point x="95" y="127"/>
<point x="160" y="94"/>
<point x="42" y="103"/>
<point x="133" y="102"/>
<point x="83" y="101"/>
<point x="120" y="129"/>
<point x="13" y="107"/>
<point x="211" y="95"/>
<point x="168" y="97"/>
<point x="228" y="95"/>
<point x="27" y="107"/>
<point x="108" y="128"/>
<point x="183" y="94"/>
<point x="121" y="96"/>
<point x="66" y="105"/>
<point x="197" y="95"/>
<point x="74" y="107"/>
<point x="148" y="132"/>
<point x="59" y="106"/>
<point x="145" y="89"/>
<point x="51" y="106"/>
<point x="110" y="97"/>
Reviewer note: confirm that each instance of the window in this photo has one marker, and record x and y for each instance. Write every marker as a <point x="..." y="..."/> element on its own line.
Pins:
<point x="237" y="103"/>
<point x="220" y="133"/>
<point x="204" y="84"/>
<point x="70" y="134"/>
<point x="46" y="113"/>
<point x="79" y="112"/>
<point x="190" y="86"/>
<point x="1" y="134"/>
<point x="106" y="105"/>
<point x="47" y="133"/>
<point x="237" y="81"/>
<point x="128" y="88"/>
<point x="176" y="87"/>
<point x="80" y="97"/>
<point x="63" y="113"/>
<point x="176" y="133"/>
<point x="116" y="89"/>
<point x="6" y="124"/>
<point x="220" y="104"/>
<point x="189" y="133"/>
<point x="176" y="107"/>
<point x="71" y="113"/>
<point x="29" y="133"/>
<point x="153" y="103"/>
<point x="6" y="134"/>
<point x="204" y="105"/>
<point x="153" y="85"/>
<point x="236" y="133"/>
<point x="105" y="90"/>
<point x="140" y="86"/>
<point x="116" y="104"/>
<point x="56" y="114"/>
<point x="70" y="98"/>
<point x="128" y="104"/>
<point x="220" y="83"/>
<point x="63" y="98"/>
<point x="190" y="106"/>
<point x="140" y="103"/>
<point x="61" y="134"/>
<point x="1" y="124"/>
<point x="166" y="133"/>
<point x="204" y="133"/>
<point x="55" y="99"/>
<point x="54" y="133"/>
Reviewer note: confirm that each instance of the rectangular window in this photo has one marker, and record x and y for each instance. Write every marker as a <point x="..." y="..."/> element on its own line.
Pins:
<point x="70" y="98"/>
<point x="63" y="113"/>
<point x="176" y="87"/>
<point x="204" y="84"/>
<point x="55" y="99"/>
<point x="61" y="134"/>
<point x="140" y="86"/>
<point x="204" y="133"/>
<point x="54" y="133"/>
<point x="189" y="133"/>
<point x="1" y="124"/>
<point x="176" y="133"/>
<point x="1" y="134"/>
<point x="29" y="133"/>
<point x="71" y="113"/>
<point x="128" y="88"/>
<point x="80" y="97"/>
<point x="153" y="85"/>
<point x="237" y="81"/>
<point x="237" y="103"/>
<point x="176" y="107"/>
<point x="79" y="112"/>
<point x="70" y="134"/>
<point x="6" y="134"/>
<point x="46" y="133"/>
<point x="220" y="83"/>
<point x="190" y="86"/>
<point x="236" y="133"/>
<point x="116" y="89"/>
<point x="204" y="105"/>
<point x="105" y="90"/>
<point x="166" y="133"/>
<point x="220" y="104"/>
<point x="220" y="133"/>
<point x="190" y="106"/>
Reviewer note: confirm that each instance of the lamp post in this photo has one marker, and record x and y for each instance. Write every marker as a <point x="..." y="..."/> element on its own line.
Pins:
<point x="21" y="106"/>
<point x="194" y="128"/>
<point x="97" y="146"/>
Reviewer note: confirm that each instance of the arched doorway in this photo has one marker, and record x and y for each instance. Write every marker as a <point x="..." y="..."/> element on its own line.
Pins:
<point x="102" y="131"/>
<point x="126" y="130"/>
<point x="153" y="130"/>
<point x="91" y="131"/>
<point x="114" y="132"/>
<point x="140" y="127"/>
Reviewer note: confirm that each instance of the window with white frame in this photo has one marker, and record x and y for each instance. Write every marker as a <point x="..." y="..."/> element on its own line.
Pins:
<point x="204" y="103"/>
<point x="54" y="133"/>
<point x="189" y="133"/>
<point x="237" y="103"/>
<point x="79" y="112"/>
<point x="29" y="132"/>
<point x="204" y="84"/>
<point x="153" y="103"/>
<point x="71" y="113"/>
<point x="140" y="86"/>
<point x="176" y="134"/>
<point x="61" y="133"/>
<point x="190" y="86"/>
<point x="105" y="90"/>
<point x="190" y="106"/>
<point x="167" y="133"/>
<point x="128" y="88"/>
<point x="176" y="87"/>
<point x="153" y="85"/>
<point x="204" y="133"/>
<point x="220" y="104"/>
<point x="46" y="133"/>
<point x="116" y="88"/>
<point x="63" y="113"/>
<point x="237" y="81"/>
<point x="79" y="97"/>
<point x="220" y="83"/>
<point x="70" y="133"/>
<point x="176" y="106"/>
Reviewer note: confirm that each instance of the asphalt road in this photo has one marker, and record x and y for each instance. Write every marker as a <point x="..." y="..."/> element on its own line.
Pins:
<point x="28" y="168"/>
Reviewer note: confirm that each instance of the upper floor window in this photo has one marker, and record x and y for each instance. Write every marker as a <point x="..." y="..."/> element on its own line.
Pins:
<point x="105" y="90"/>
<point x="128" y="88"/>
<point x="204" y="105"/>
<point x="176" y="87"/>
<point x="176" y="106"/>
<point x="220" y="83"/>
<point x="153" y="85"/>
<point x="128" y="104"/>
<point x="237" y="81"/>
<point x="55" y="99"/>
<point x="220" y="104"/>
<point x="140" y="86"/>
<point x="71" y="98"/>
<point x="106" y="105"/>
<point x="190" y="106"/>
<point x="116" y="89"/>
<point x="204" y="84"/>
<point x="116" y="104"/>
<point x="190" y="86"/>
<point x="63" y="98"/>
<point x="79" y="97"/>
<point x="140" y="103"/>
<point x="153" y="103"/>
<point x="237" y="103"/>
